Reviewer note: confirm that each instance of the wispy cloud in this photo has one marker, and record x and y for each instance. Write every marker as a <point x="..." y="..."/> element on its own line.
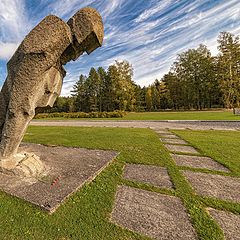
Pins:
<point x="13" y="25"/>
<point x="148" y="33"/>
<point x="7" y="50"/>
<point x="155" y="9"/>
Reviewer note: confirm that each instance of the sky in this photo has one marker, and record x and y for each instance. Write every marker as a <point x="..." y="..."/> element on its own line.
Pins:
<point x="147" y="33"/>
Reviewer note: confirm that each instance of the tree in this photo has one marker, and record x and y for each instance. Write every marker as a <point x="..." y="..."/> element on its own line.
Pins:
<point x="148" y="99"/>
<point x="229" y="68"/>
<point x="102" y="97"/>
<point x="79" y="94"/>
<point x="194" y="70"/>
<point x="125" y="87"/>
<point x="93" y="84"/>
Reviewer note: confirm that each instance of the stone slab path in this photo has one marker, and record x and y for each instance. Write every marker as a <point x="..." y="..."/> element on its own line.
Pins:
<point x="229" y="222"/>
<point x="198" y="162"/>
<point x="170" y="136"/>
<point x="174" y="141"/>
<point x="61" y="179"/>
<point x="154" y="175"/>
<point x="181" y="149"/>
<point x="217" y="186"/>
<point x="152" y="214"/>
<point x="164" y="217"/>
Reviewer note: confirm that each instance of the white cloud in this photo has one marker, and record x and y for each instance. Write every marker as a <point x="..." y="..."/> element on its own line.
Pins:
<point x="7" y="50"/>
<point x="13" y="26"/>
<point x="68" y="7"/>
<point x="153" y="10"/>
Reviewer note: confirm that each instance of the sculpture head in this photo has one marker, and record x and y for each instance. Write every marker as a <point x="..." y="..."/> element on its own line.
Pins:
<point x="87" y="30"/>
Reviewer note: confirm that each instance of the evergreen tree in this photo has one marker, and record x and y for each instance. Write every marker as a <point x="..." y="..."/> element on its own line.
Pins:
<point x="79" y="94"/>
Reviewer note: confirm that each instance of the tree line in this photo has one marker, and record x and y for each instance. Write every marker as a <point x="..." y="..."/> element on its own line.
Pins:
<point x="196" y="80"/>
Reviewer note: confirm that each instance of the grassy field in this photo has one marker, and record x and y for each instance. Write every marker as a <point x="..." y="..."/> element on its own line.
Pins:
<point x="188" y="115"/>
<point x="191" y="115"/>
<point x="86" y="214"/>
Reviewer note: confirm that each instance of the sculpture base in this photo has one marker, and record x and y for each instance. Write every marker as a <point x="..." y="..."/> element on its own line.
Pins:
<point x="22" y="164"/>
<point x="67" y="170"/>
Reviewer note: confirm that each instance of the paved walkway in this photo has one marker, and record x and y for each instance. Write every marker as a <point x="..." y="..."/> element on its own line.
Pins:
<point x="171" y="124"/>
<point x="164" y="217"/>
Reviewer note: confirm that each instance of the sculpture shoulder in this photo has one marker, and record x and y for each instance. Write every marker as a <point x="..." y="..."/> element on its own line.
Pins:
<point x="49" y="33"/>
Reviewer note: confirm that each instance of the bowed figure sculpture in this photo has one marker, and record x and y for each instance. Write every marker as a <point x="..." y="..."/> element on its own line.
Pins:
<point x="35" y="76"/>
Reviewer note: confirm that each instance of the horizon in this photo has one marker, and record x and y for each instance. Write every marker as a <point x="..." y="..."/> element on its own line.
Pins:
<point x="149" y="34"/>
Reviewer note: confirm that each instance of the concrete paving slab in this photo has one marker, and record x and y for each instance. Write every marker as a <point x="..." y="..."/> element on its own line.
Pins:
<point x="157" y="176"/>
<point x="229" y="222"/>
<point x="181" y="149"/>
<point x="198" y="162"/>
<point x="174" y="141"/>
<point x="162" y="131"/>
<point x="216" y="186"/>
<point x="152" y="214"/>
<point x="172" y="136"/>
<point x="67" y="170"/>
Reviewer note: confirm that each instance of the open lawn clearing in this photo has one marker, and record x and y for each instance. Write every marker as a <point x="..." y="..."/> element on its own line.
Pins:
<point x="86" y="214"/>
<point x="184" y="115"/>
<point x="222" y="146"/>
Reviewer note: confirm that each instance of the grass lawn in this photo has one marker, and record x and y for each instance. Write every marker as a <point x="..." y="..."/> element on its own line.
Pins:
<point x="86" y="214"/>
<point x="188" y="115"/>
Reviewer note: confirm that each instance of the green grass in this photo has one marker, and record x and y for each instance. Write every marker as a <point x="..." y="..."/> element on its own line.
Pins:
<point x="85" y="215"/>
<point x="222" y="146"/>
<point x="187" y="115"/>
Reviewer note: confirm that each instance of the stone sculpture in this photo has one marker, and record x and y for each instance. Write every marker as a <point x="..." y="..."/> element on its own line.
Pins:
<point x="35" y="76"/>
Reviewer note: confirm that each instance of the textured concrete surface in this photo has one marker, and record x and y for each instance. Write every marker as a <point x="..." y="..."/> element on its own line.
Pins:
<point x="229" y="222"/>
<point x="217" y="186"/>
<point x="161" y="131"/>
<point x="67" y="170"/>
<point x="157" y="176"/>
<point x="170" y="136"/>
<point x="152" y="214"/>
<point x="195" y="125"/>
<point x="180" y="148"/>
<point x="35" y="71"/>
<point x="174" y="141"/>
<point x="198" y="162"/>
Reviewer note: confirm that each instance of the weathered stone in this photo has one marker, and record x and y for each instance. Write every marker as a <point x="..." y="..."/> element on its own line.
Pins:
<point x="162" y="131"/>
<point x="168" y="135"/>
<point x="217" y="186"/>
<point x="180" y="148"/>
<point x="67" y="169"/>
<point x="198" y="162"/>
<point x="23" y="164"/>
<point x="174" y="141"/>
<point x="35" y="71"/>
<point x="152" y="214"/>
<point x="229" y="222"/>
<point x="157" y="176"/>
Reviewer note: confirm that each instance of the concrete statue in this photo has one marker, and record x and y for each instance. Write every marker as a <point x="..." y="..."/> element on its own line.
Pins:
<point x="35" y="76"/>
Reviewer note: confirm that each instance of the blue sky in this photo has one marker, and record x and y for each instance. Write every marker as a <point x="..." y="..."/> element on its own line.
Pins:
<point x="147" y="33"/>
